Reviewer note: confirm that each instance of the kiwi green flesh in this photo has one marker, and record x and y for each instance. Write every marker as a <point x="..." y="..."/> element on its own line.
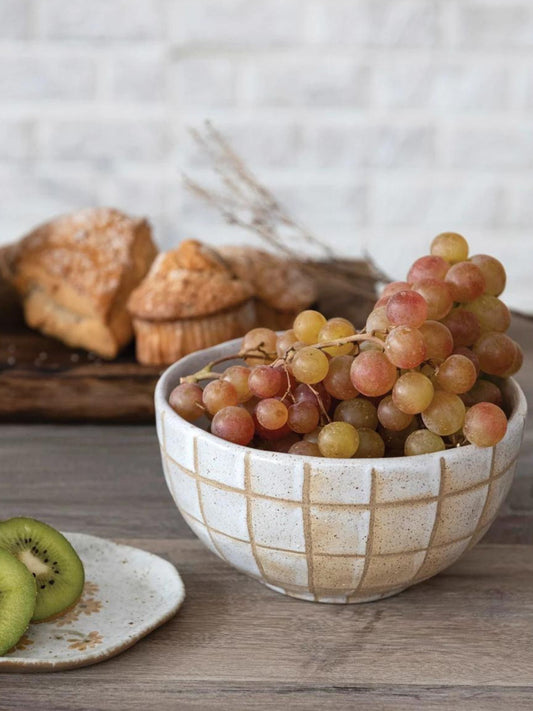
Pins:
<point x="17" y="600"/>
<point x="51" y="560"/>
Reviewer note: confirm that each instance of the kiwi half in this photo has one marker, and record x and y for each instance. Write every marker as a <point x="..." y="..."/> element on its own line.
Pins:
<point x="17" y="600"/>
<point x="51" y="560"/>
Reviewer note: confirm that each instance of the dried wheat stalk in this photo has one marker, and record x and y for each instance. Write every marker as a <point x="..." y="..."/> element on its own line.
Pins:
<point x="245" y="202"/>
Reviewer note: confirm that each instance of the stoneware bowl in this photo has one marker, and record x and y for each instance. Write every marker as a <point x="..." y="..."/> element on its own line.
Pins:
<point x="332" y="530"/>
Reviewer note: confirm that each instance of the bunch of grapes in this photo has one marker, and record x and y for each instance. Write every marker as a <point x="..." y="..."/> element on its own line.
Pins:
<point x="424" y="375"/>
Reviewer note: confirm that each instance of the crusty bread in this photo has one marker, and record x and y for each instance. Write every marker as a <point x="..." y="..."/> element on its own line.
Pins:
<point x="76" y="272"/>
<point x="282" y="287"/>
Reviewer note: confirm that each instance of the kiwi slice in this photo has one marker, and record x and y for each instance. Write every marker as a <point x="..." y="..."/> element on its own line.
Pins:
<point x="17" y="600"/>
<point x="53" y="562"/>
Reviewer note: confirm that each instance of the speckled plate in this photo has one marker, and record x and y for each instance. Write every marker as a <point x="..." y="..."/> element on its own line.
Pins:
<point x="128" y="593"/>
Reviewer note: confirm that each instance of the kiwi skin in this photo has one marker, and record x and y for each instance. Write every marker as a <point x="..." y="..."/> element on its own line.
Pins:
<point x="18" y="593"/>
<point x="52" y="561"/>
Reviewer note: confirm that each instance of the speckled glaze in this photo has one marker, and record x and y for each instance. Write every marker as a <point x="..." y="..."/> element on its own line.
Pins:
<point x="332" y="530"/>
<point x="128" y="593"/>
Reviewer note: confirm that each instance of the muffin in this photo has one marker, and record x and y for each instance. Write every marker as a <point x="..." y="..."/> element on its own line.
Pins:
<point x="189" y="300"/>
<point x="282" y="288"/>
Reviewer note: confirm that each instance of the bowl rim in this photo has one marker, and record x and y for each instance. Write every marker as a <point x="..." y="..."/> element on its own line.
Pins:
<point x="165" y="384"/>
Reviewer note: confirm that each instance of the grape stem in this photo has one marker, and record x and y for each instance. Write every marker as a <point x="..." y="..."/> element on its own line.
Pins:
<point x="206" y="373"/>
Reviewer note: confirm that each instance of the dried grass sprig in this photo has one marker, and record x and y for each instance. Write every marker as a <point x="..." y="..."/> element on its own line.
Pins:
<point x="247" y="203"/>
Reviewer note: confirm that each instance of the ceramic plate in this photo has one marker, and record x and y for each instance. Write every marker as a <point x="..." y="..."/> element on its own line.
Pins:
<point x="128" y="593"/>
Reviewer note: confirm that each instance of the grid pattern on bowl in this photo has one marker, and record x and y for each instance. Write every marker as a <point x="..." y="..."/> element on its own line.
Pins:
<point x="307" y="544"/>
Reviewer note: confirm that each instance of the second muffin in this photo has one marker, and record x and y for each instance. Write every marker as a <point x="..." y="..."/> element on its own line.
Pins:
<point x="189" y="300"/>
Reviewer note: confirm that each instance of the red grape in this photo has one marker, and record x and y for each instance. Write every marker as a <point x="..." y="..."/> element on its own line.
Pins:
<point x="372" y="373"/>
<point x="437" y="295"/>
<point x="338" y="382"/>
<point x="438" y="340"/>
<point x="450" y="246"/>
<point x="457" y="374"/>
<point x="233" y="424"/>
<point x="265" y="381"/>
<point x="464" y="327"/>
<point x="428" y="267"/>
<point x="303" y="417"/>
<point x="391" y="417"/>
<point x="186" y="400"/>
<point x="493" y="272"/>
<point x="405" y="347"/>
<point x="485" y="424"/>
<point x="466" y="282"/>
<point x="218" y="394"/>
<point x="496" y="353"/>
<point x="407" y="308"/>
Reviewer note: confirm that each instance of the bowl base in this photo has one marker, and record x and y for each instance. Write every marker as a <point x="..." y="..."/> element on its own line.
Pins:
<point x="335" y="599"/>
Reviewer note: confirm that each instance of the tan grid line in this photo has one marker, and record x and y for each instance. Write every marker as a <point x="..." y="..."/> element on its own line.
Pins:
<point x="317" y="554"/>
<point x="308" y="536"/>
<point x="433" y="534"/>
<point x="376" y="504"/>
<point x="201" y="503"/>
<point x="249" y="522"/>
<point x="370" y="539"/>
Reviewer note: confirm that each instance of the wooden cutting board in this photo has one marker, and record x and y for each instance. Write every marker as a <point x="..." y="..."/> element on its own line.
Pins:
<point x="42" y="380"/>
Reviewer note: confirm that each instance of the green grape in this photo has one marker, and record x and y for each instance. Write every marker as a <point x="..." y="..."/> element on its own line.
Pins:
<point x="493" y="272"/>
<point x="309" y="365"/>
<point x="457" y="374"/>
<point x="451" y="246"/>
<point x="412" y="392"/>
<point x="423" y="442"/>
<point x="332" y="330"/>
<point x="445" y="415"/>
<point x="359" y="412"/>
<point x="485" y="424"/>
<point x="339" y="440"/>
<point x="307" y="326"/>
<point x="391" y="417"/>
<point x="371" y="444"/>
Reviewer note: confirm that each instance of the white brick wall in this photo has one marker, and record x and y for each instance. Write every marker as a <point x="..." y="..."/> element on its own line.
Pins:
<point x="378" y="122"/>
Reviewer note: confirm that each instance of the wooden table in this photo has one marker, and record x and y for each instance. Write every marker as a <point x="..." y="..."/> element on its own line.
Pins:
<point x="463" y="640"/>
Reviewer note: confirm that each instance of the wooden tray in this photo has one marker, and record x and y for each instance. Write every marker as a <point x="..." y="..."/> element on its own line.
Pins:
<point x="42" y="380"/>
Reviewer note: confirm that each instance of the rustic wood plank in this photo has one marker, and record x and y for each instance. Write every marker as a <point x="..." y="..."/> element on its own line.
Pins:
<point x="43" y="380"/>
<point x="461" y="640"/>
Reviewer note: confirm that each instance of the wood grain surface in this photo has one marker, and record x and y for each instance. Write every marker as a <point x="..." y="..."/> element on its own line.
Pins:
<point x="461" y="641"/>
